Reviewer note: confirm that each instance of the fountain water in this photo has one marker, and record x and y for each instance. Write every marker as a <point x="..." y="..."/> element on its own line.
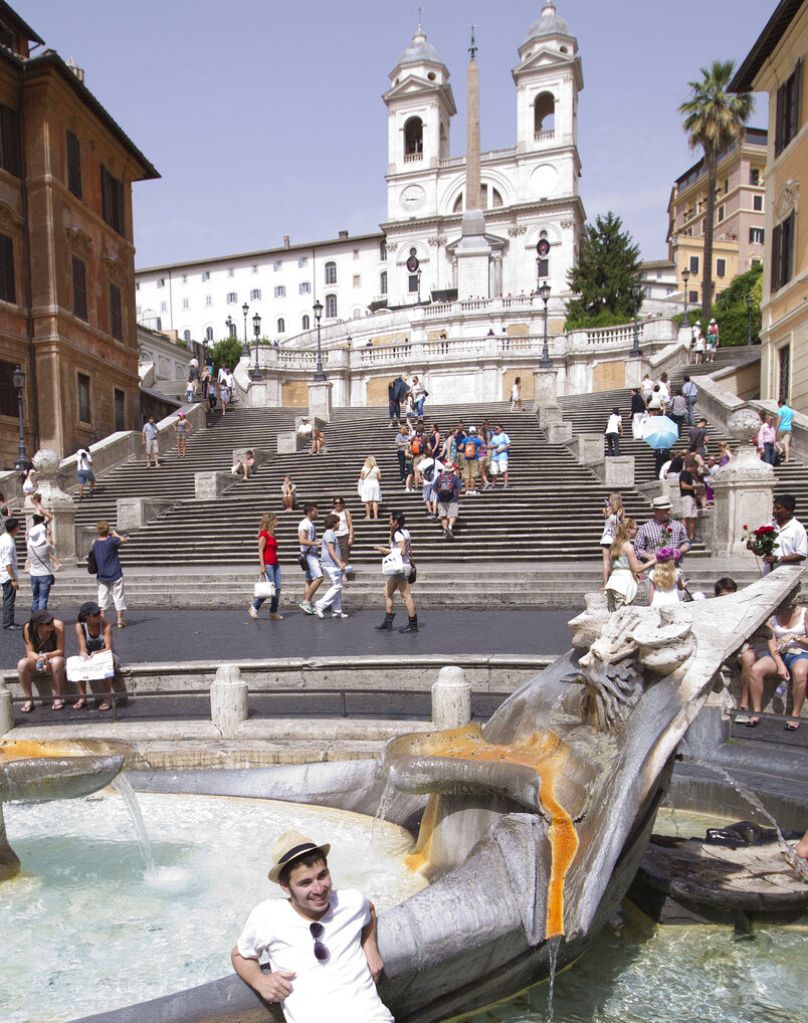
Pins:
<point x="127" y="793"/>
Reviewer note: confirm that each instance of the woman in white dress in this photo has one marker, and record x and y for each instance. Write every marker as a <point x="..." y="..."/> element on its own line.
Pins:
<point x="371" y="491"/>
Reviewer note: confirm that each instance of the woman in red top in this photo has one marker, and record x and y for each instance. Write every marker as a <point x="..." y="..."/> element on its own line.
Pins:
<point x="270" y="569"/>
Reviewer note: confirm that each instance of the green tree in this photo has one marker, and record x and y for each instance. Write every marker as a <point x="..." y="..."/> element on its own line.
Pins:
<point x="732" y="310"/>
<point x="226" y="352"/>
<point x="714" y="120"/>
<point x="605" y="277"/>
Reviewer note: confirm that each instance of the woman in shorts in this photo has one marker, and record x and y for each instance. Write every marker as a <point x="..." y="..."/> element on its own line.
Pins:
<point x="399" y="540"/>
<point x="94" y="635"/>
<point x="44" y="638"/>
<point x="787" y="658"/>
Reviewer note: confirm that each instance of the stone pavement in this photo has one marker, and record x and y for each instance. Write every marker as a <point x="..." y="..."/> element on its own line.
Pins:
<point x="168" y="635"/>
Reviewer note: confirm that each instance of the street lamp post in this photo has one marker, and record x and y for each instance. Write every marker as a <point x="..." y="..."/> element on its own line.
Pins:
<point x="22" y="464"/>
<point x="231" y="327"/>
<point x="636" y="294"/>
<point x="256" y="373"/>
<point x="544" y="295"/>
<point x="749" y="305"/>
<point x="686" y="278"/>
<point x="246" y="349"/>
<point x="318" y="315"/>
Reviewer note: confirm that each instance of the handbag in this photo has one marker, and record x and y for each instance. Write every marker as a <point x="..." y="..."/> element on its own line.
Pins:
<point x="393" y="563"/>
<point x="302" y="560"/>
<point x="413" y="576"/>
<point x="264" y="589"/>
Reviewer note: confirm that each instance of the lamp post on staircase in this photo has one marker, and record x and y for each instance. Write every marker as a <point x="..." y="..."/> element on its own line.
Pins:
<point x="636" y="294"/>
<point x="318" y="315"/>
<point x="686" y="278"/>
<point x="544" y="295"/>
<point x="256" y="374"/>
<point x="245" y="351"/>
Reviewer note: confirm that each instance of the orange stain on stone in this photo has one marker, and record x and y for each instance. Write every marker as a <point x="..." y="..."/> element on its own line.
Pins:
<point x="545" y="753"/>
<point x="23" y="749"/>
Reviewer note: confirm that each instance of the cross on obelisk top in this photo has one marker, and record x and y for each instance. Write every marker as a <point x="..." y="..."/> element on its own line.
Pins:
<point x="420" y="18"/>
<point x="473" y="47"/>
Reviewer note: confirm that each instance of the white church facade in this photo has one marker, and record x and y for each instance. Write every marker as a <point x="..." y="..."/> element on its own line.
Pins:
<point x="529" y="196"/>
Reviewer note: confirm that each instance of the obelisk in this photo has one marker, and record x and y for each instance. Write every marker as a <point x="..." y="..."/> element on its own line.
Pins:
<point x="473" y="191"/>
<point x="473" y="252"/>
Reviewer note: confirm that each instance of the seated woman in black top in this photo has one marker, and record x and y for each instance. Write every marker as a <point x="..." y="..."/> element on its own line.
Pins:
<point x="44" y="638"/>
<point x="94" y="634"/>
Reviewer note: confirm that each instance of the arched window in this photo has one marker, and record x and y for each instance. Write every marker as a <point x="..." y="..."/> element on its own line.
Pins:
<point x="208" y="333"/>
<point x="357" y="313"/>
<point x="331" y="307"/>
<point x="544" y="115"/>
<point x="306" y="324"/>
<point x="383" y="283"/>
<point x="413" y="139"/>
<point x="383" y="250"/>
<point x="186" y="335"/>
<point x="281" y="326"/>
<point x="330" y="273"/>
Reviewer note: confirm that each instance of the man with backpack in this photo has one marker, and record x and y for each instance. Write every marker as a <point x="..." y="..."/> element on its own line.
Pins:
<point x="418" y="447"/>
<point x="446" y="488"/>
<point x="429" y="468"/>
<point x="105" y="563"/>
<point x="471" y="455"/>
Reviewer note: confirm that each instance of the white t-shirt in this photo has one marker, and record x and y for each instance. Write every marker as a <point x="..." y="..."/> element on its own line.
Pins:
<point x="792" y="539"/>
<point x="8" y="556"/>
<point x="614" y="424"/>
<point x="340" y="990"/>
<point x="307" y="527"/>
<point x="84" y="459"/>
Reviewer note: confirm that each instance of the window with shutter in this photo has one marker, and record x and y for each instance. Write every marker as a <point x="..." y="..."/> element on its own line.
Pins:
<point x="112" y="201"/>
<point x="115" y="312"/>
<point x="80" y="288"/>
<point x="8" y="291"/>
<point x="73" y="164"/>
<point x="10" y="153"/>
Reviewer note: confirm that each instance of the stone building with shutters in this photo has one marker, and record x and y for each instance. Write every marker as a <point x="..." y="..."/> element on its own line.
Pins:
<point x="67" y="281"/>
<point x="776" y="65"/>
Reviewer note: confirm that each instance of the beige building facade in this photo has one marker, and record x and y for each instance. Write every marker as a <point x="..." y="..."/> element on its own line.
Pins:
<point x="776" y="65"/>
<point x="740" y="210"/>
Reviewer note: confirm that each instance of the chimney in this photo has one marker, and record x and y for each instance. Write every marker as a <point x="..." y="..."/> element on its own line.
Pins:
<point x="343" y="235"/>
<point x="286" y="241"/>
<point x="77" y="71"/>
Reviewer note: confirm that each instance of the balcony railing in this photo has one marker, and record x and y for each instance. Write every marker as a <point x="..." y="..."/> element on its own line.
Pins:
<point x="544" y="136"/>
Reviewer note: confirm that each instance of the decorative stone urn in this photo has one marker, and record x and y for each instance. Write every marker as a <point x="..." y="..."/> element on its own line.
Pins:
<point x="743" y="488"/>
<point x="56" y="503"/>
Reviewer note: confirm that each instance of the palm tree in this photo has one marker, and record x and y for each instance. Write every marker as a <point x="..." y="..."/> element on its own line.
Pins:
<point x="714" y="120"/>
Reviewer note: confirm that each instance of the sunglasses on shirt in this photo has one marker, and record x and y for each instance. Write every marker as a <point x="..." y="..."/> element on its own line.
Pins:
<point x="321" y="953"/>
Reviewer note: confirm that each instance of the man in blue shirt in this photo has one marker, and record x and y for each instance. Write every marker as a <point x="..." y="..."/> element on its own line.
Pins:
<point x="500" y="446"/>
<point x="785" y="425"/>
<point x="109" y="570"/>
<point x="471" y="455"/>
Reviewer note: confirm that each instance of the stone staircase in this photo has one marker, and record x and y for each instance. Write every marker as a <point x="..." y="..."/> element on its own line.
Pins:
<point x="530" y="522"/>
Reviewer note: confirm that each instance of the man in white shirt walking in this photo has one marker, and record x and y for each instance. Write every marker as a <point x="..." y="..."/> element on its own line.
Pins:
<point x="9" y="576"/>
<point x="84" y="471"/>
<point x="321" y="942"/>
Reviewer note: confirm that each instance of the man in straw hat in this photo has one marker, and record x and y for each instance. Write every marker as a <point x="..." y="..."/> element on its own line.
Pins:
<point x="321" y="943"/>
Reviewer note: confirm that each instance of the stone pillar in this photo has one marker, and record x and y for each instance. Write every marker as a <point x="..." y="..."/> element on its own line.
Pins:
<point x="209" y="486"/>
<point x="743" y="489"/>
<point x="616" y="471"/>
<point x="587" y="447"/>
<point x="635" y="371"/>
<point x="545" y="388"/>
<point x="320" y="400"/>
<point x="228" y="700"/>
<point x="6" y="711"/>
<point x="549" y="415"/>
<point x="56" y="503"/>
<point x="451" y="699"/>
<point x="559" y="433"/>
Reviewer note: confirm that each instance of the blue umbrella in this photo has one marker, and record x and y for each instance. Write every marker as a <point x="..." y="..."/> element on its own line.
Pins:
<point x="659" y="432"/>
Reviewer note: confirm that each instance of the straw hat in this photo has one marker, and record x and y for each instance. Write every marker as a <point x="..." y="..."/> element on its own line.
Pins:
<point x="289" y="847"/>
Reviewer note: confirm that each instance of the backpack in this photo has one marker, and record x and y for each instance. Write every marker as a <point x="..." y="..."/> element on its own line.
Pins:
<point x="429" y="472"/>
<point x="416" y="444"/>
<point x="92" y="564"/>
<point x="470" y="450"/>
<point x="445" y="491"/>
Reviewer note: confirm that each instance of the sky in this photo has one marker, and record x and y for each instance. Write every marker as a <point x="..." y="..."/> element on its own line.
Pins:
<point x="265" y="117"/>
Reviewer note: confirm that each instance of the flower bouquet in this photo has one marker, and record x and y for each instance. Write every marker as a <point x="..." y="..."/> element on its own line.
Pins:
<point x="762" y="541"/>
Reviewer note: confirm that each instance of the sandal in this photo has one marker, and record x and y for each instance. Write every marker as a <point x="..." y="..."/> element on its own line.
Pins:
<point x="792" y="726"/>
<point x="120" y="625"/>
<point x="80" y="704"/>
<point x="27" y="707"/>
<point x="105" y="706"/>
<point x="58" y="705"/>
<point x="753" y="722"/>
